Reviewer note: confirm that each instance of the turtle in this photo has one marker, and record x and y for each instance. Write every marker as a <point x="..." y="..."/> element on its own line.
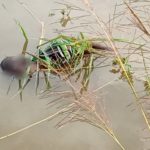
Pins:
<point x="55" y="55"/>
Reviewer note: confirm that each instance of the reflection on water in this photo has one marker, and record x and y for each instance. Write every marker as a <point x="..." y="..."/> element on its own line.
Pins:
<point x="14" y="114"/>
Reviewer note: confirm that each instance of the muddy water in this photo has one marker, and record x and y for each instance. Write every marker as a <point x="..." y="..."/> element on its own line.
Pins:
<point x="126" y="121"/>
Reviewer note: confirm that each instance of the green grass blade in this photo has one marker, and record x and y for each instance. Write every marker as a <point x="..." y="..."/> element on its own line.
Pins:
<point x="48" y="85"/>
<point x="25" y="37"/>
<point x="20" y="89"/>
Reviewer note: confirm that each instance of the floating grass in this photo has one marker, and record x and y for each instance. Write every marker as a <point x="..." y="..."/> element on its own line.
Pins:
<point x="138" y="22"/>
<point x="101" y="25"/>
<point x="25" y="37"/>
<point x="48" y="84"/>
<point x="23" y="53"/>
<point x="141" y="26"/>
<point x="81" y="106"/>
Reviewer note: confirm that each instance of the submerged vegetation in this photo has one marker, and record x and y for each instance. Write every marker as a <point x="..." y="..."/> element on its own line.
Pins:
<point x="80" y="102"/>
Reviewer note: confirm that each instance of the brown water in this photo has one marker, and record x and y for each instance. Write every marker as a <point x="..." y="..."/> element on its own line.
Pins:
<point x="126" y="121"/>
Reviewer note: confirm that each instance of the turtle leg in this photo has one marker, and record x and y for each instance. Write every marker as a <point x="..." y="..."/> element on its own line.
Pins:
<point x="96" y="45"/>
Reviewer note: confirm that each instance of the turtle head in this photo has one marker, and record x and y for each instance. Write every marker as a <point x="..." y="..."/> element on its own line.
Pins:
<point x="15" y="66"/>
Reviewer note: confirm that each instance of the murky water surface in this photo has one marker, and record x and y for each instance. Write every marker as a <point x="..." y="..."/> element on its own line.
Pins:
<point x="126" y="120"/>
